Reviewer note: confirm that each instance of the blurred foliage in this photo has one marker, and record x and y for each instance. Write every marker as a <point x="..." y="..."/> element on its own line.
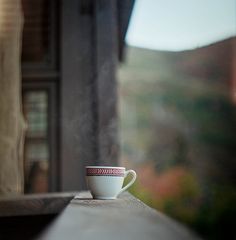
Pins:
<point x="175" y="192"/>
<point x="178" y="132"/>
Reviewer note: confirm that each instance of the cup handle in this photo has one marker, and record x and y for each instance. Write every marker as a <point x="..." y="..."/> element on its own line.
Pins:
<point x="134" y="175"/>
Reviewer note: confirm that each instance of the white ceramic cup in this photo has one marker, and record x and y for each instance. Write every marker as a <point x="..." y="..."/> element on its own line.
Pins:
<point x="106" y="182"/>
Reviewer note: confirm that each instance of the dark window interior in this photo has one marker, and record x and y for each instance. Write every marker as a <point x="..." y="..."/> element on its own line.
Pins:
<point x="36" y="143"/>
<point x="36" y="32"/>
<point x="40" y="83"/>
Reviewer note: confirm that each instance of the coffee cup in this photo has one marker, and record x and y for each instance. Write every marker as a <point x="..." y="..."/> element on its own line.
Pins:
<point x="107" y="182"/>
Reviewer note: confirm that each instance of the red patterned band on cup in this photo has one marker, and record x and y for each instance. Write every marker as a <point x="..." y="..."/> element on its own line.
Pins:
<point x="105" y="172"/>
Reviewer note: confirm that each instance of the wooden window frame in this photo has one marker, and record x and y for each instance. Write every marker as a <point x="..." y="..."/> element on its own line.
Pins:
<point x="86" y="98"/>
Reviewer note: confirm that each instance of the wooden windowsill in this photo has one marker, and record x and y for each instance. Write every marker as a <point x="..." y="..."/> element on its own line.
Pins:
<point x="124" y="218"/>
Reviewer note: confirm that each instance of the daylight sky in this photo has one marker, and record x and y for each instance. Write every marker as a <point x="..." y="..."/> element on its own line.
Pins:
<point x="181" y="24"/>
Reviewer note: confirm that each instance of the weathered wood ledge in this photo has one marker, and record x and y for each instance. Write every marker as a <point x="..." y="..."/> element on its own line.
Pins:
<point x="124" y="218"/>
<point x="34" y="204"/>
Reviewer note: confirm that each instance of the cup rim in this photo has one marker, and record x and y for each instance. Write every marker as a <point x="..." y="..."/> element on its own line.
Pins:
<point x="105" y="167"/>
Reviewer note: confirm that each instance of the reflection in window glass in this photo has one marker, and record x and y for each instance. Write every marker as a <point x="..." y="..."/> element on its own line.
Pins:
<point x="36" y="145"/>
<point x="36" y="152"/>
<point x="36" y="113"/>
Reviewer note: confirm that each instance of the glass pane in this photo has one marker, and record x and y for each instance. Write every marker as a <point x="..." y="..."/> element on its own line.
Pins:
<point x="35" y="107"/>
<point x="36" y="167"/>
<point x="36" y="152"/>
<point x="35" y="46"/>
<point x="35" y="104"/>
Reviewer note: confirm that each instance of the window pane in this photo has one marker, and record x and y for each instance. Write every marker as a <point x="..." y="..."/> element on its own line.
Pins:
<point x="35" y="104"/>
<point x="36" y="152"/>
